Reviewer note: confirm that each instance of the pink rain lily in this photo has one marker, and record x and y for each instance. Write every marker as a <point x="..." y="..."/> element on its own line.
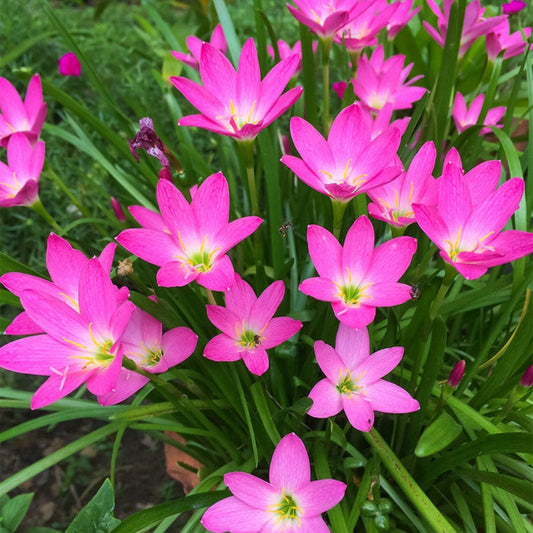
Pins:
<point x="17" y="116"/>
<point x="513" y="7"/>
<point x="326" y="18"/>
<point x="400" y="17"/>
<point x="393" y="201"/>
<point x="248" y="329"/>
<point x="238" y="103"/>
<point x="350" y="162"/>
<point x="474" y="25"/>
<point x="65" y="265"/>
<point x="78" y="347"/>
<point x="198" y="237"/>
<point x="380" y="82"/>
<point x="465" y="118"/>
<point x="144" y="342"/>
<point x="290" y="502"/>
<point x="69" y="65"/>
<point x="363" y="30"/>
<point x="467" y="223"/>
<point x="194" y="44"/>
<point x="353" y="380"/>
<point x="357" y="278"/>
<point x="285" y="50"/>
<point x="500" y="39"/>
<point x="19" y="179"/>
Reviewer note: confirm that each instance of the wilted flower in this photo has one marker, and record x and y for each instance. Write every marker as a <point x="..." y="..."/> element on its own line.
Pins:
<point x="248" y="329"/>
<point x="17" y="116"/>
<point x="147" y="139"/>
<point x="290" y="502"/>
<point x="69" y="65"/>
<point x="353" y="380"/>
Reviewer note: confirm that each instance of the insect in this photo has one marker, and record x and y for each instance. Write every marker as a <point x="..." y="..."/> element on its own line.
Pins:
<point x="284" y="228"/>
<point x="414" y="292"/>
<point x="257" y="340"/>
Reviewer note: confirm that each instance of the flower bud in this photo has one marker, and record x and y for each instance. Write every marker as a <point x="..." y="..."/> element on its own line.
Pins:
<point x="456" y="375"/>
<point x="117" y="209"/>
<point x="69" y="65"/>
<point x="527" y="378"/>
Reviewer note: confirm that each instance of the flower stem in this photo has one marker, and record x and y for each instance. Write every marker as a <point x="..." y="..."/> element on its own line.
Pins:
<point x="338" y="214"/>
<point x="449" y="276"/>
<point x="210" y="297"/>
<point x="408" y="484"/>
<point x="247" y="150"/>
<point x="39" y="208"/>
<point x="326" y="47"/>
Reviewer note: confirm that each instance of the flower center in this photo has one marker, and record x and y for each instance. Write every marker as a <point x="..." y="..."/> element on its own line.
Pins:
<point x="347" y="176"/>
<point x="100" y="355"/>
<point x="240" y="118"/>
<point x="287" y="509"/>
<point x="248" y="339"/>
<point x="346" y="385"/>
<point x="200" y="260"/>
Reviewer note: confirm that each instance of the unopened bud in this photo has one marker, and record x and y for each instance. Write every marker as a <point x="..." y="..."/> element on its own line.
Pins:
<point x="117" y="209"/>
<point x="165" y="174"/>
<point x="456" y="375"/>
<point x="527" y="378"/>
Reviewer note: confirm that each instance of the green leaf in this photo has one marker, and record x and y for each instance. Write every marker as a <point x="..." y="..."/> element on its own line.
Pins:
<point x="513" y="485"/>
<point x="97" y="515"/>
<point x="14" y="511"/>
<point x="438" y="435"/>
<point x="151" y="517"/>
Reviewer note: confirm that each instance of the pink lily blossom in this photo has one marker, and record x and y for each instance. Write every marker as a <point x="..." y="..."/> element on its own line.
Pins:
<point x="400" y="17"/>
<point x="17" y="116"/>
<point x="393" y="201"/>
<point x="144" y="342"/>
<point x="69" y="65"/>
<point x="356" y="278"/>
<point x="515" y="6"/>
<point x="238" y="103"/>
<point x="78" y="347"/>
<point x="353" y="380"/>
<point x="474" y="25"/>
<point x="467" y="223"/>
<point x="194" y="44"/>
<point x="290" y="502"/>
<point x="326" y="18"/>
<point x="350" y="162"/>
<point x="285" y="50"/>
<point x="464" y="118"/>
<point x="248" y="329"/>
<point x="19" y="179"/>
<point x="500" y="39"/>
<point x="65" y="265"/>
<point x="382" y="81"/>
<point x="198" y="238"/>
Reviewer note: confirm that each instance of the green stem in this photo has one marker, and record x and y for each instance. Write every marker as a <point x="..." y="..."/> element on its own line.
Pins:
<point x="449" y="276"/>
<point x="408" y="484"/>
<point x="338" y="214"/>
<point x="210" y="297"/>
<point x="326" y="47"/>
<point x="39" y="208"/>
<point x="247" y="150"/>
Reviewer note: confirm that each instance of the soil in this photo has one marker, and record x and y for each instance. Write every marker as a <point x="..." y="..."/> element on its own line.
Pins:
<point x="60" y="492"/>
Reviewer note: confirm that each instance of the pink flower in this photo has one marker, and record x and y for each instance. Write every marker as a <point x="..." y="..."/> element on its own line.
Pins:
<point x="513" y="7"/>
<point x="144" y="342"/>
<point x="353" y="380"/>
<point x="474" y="24"/>
<point x="380" y="82"/>
<point x="65" y="265"/>
<point x="190" y="241"/>
<point x="238" y="103"/>
<point x="465" y="118"/>
<point x="290" y="502"/>
<point x="357" y="278"/>
<point x="401" y="15"/>
<point x="69" y="65"/>
<point x="117" y="209"/>
<point x="19" y="179"/>
<point x="78" y="347"/>
<point x="363" y="29"/>
<point x="248" y="329"/>
<point x="194" y="44"/>
<point x="393" y="201"/>
<point x="350" y="162"/>
<point x="16" y="116"/>
<point x="467" y="223"/>
<point x="285" y="50"/>
<point x="512" y="44"/>
<point x="325" y="18"/>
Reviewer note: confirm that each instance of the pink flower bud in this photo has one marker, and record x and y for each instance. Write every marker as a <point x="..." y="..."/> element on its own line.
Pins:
<point x="456" y="375"/>
<point x="69" y="65"/>
<point x="527" y="379"/>
<point x="339" y="87"/>
<point x="165" y="174"/>
<point x="117" y="209"/>
<point x="513" y="7"/>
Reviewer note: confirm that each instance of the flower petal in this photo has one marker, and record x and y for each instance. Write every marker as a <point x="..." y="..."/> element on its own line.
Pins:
<point x="379" y="364"/>
<point x="250" y="489"/>
<point x="387" y="397"/>
<point x="279" y="330"/>
<point x="256" y="360"/>
<point x="326" y="400"/>
<point x="352" y="346"/>
<point x="289" y="468"/>
<point x="321" y="495"/>
<point x="326" y="252"/>
<point x="232" y="514"/>
<point x="266" y="305"/>
<point x="222" y="348"/>
<point x="359" y="412"/>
